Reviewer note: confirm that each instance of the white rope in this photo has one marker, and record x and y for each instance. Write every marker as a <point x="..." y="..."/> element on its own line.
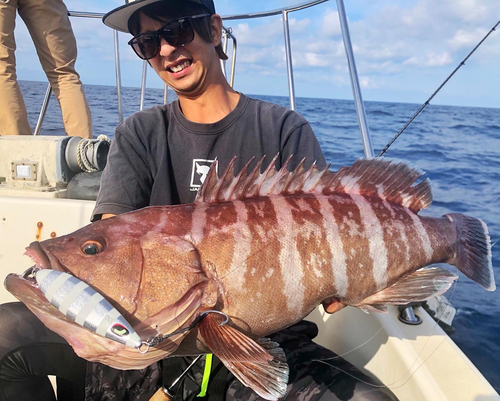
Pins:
<point x="81" y="154"/>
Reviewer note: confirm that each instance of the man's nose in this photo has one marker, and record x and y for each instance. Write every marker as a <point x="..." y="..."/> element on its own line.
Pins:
<point x="166" y="49"/>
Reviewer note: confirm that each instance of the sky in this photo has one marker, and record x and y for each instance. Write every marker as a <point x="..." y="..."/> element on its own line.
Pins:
<point x="404" y="50"/>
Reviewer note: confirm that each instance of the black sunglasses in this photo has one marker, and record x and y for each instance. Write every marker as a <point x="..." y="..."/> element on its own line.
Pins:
<point x="176" y="33"/>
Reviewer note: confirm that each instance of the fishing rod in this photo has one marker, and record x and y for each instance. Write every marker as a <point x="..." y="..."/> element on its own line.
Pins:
<point x="437" y="90"/>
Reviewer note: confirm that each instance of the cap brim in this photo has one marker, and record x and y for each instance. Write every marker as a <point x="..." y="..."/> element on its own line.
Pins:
<point x="118" y="18"/>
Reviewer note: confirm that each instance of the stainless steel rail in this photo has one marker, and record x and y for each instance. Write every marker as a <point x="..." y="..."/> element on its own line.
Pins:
<point x="356" y="90"/>
<point x="289" y="63"/>
<point x="286" y="29"/>
<point x="228" y="35"/>
<point x="143" y="83"/>
<point x="118" y="75"/>
<point x="278" y="11"/>
<point x="41" y="116"/>
<point x="45" y="104"/>
<point x="283" y="11"/>
<point x="117" y="56"/>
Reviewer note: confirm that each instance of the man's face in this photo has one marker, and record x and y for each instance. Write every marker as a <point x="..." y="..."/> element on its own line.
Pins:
<point x="190" y="69"/>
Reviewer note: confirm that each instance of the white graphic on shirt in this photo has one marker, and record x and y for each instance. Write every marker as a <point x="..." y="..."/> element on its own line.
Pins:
<point x="199" y="172"/>
<point x="203" y="171"/>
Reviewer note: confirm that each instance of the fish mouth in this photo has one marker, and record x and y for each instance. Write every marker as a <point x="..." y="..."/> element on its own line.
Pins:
<point x="42" y="259"/>
<point x="88" y="344"/>
<point x="94" y="348"/>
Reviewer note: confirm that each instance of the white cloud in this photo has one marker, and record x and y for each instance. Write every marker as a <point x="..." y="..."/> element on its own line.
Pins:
<point x="439" y="60"/>
<point x="430" y="60"/>
<point x="298" y="26"/>
<point x="331" y="24"/>
<point x="315" y="60"/>
<point x="369" y="83"/>
<point x="464" y="38"/>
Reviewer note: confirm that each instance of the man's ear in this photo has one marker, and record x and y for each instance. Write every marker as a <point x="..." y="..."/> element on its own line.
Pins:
<point x="216" y="29"/>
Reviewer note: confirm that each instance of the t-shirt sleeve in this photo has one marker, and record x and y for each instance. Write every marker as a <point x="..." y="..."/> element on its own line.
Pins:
<point x="126" y="181"/>
<point x="301" y="142"/>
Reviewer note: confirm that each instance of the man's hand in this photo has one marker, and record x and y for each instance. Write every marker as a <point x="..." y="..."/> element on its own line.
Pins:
<point x="107" y="216"/>
<point x="332" y="305"/>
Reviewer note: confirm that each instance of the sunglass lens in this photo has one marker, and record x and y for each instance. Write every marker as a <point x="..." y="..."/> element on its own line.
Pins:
<point x="178" y="33"/>
<point x="146" y="45"/>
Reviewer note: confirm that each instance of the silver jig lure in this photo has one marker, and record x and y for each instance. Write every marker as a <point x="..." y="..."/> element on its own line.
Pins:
<point x="85" y="306"/>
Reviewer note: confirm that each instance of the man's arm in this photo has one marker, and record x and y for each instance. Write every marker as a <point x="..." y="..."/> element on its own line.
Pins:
<point x="126" y="180"/>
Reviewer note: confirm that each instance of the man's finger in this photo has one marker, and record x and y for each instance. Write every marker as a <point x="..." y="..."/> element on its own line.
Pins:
<point x="332" y="305"/>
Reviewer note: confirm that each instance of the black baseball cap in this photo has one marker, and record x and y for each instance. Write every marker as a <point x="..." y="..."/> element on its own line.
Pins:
<point x="118" y="18"/>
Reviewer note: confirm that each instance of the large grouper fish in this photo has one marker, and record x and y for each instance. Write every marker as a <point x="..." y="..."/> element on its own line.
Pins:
<point x="264" y="248"/>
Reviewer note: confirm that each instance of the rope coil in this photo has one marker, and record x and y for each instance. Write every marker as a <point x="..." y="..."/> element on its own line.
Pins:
<point x="86" y="147"/>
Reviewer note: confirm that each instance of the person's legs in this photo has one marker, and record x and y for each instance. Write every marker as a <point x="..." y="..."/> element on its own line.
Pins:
<point x="29" y="352"/>
<point x="314" y="381"/>
<point x="13" y="117"/>
<point x="50" y="28"/>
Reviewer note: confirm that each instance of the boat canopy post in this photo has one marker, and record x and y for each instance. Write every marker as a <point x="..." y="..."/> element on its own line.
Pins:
<point x="143" y="84"/>
<point x="288" y="52"/>
<point x="118" y="77"/>
<point x="224" y="49"/>
<point x="43" y="111"/>
<point x="284" y="13"/>
<point x="233" y="61"/>
<point x="358" y="99"/>
<point x="228" y="34"/>
<point x="117" y="56"/>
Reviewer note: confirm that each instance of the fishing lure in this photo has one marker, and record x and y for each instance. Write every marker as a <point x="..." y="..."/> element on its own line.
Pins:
<point x="85" y="306"/>
<point x="88" y="308"/>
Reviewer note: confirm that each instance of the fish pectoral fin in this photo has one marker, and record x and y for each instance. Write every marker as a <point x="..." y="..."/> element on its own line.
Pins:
<point x="259" y="365"/>
<point x="416" y="287"/>
<point x="373" y="308"/>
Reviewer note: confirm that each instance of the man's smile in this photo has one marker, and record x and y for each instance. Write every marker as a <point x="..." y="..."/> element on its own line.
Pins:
<point x="179" y="66"/>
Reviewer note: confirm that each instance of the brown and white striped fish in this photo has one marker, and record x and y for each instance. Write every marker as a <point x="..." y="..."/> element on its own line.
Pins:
<point x="265" y="249"/>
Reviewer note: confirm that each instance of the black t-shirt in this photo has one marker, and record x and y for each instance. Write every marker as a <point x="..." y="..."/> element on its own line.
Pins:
<point x="158" y="157"/>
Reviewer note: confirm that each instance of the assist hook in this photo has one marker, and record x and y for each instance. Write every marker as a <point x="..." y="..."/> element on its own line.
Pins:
<point x="153" y="341"/>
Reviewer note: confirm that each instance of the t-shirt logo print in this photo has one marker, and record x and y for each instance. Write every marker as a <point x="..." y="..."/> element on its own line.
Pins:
<point x="199" y="172"/>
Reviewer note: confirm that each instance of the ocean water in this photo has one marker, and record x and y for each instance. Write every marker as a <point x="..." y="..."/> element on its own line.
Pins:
<point x="458" y="147"/>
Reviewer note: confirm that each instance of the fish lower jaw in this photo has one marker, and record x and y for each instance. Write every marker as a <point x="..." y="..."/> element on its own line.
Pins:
<point x="29" y="275"/>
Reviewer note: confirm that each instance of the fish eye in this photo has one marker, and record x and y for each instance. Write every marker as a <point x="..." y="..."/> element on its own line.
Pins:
<point x="92" y="248"/>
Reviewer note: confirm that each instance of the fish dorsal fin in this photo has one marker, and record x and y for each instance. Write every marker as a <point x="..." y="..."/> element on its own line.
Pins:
<point x="391" y="180"/>
<point x="259" y="365"/>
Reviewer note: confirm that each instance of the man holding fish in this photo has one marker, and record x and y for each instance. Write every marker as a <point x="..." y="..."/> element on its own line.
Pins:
<point x="251" y="256"/>
<point x="160" y="154"/>
<point x="210" y="121"/>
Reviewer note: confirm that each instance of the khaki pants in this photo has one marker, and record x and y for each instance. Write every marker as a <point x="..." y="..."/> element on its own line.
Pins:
<point x="50" y="29"/>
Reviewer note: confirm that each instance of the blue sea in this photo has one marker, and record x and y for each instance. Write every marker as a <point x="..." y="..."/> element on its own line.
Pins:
<point x="458" y="147"/>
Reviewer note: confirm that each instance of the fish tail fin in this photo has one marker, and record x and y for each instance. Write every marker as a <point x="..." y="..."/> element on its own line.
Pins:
<point x="473" y="252"/>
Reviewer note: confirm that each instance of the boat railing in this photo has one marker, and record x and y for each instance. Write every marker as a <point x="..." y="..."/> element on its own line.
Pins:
<point x="227" y="35"/>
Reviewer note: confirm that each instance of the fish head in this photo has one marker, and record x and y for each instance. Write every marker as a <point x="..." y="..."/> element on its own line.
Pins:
<point x="154" y="279"/>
